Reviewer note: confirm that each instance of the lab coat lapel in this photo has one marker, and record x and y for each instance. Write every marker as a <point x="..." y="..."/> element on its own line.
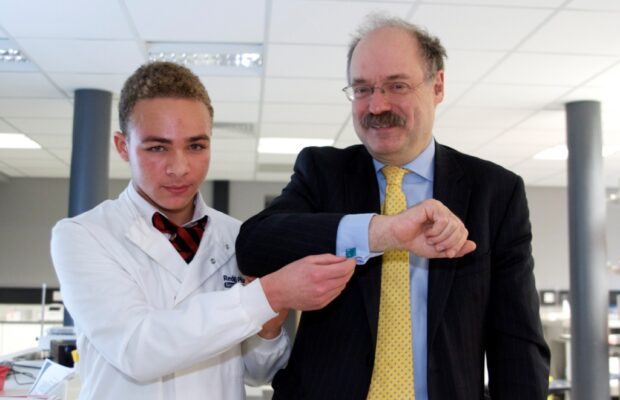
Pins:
<point x="213" y="253"/>
<point x="153" y="243"/>
<point x="453" y="189"/>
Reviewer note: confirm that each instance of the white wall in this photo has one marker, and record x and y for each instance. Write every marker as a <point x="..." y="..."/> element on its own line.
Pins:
<point x="29" y="207"/>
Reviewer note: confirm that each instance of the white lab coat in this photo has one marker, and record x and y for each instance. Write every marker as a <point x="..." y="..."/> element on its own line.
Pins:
<point x="148" y="325"/>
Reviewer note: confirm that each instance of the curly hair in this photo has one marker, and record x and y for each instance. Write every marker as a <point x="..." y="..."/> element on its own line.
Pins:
<point x="160" y="79"/>
<point x="430" y="46"/>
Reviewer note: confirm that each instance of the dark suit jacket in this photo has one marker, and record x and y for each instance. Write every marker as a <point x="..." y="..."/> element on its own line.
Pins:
<point x="485" y="302"/>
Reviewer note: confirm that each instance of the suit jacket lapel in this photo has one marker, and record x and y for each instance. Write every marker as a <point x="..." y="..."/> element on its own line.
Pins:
<point x="362" y="196"/>
<point x="453" y="189"/>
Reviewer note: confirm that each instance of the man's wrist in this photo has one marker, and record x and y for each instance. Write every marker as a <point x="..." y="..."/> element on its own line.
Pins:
<point x="379" y="235"/>
<point x="272" y="292"/>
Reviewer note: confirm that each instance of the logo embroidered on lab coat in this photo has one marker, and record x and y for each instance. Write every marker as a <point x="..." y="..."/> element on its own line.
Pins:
<point x="230" y="281"/>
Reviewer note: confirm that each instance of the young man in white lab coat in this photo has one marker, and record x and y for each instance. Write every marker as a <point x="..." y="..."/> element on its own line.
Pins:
<point x="150" y="323"/>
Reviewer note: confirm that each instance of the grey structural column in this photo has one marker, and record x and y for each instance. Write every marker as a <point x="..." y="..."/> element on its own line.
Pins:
<point x="88" y="184"/>
<point x="588" y="282"/>
<point x="221" y="196"/>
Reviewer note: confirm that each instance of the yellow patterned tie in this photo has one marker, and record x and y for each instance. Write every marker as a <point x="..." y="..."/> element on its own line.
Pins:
<point x="392" y="376"/>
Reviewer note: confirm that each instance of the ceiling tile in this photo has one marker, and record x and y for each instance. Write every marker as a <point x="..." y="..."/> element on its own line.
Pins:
<point x="85" y="56"/>
<point x="26" y="84"/>
<point x="54" y="126"/>
<point x="489" y="118"/>
<point x="10" y="171"/>
<point x="211" y="21"/>
<point x="70" y="82"/>
<point x="469" y="66"/>
<point x="511" y="96"/>
<point x="5" y="127"/>
<point x="301" y="61"/>
<point x="548" y="69"/>
<point x="322" y="22"/>
<point x="512" y="3"/>
<point x="287" y="159"/>
<point x="52" y="141"/>
<point x="40" y="108"/>
<point x="545" y="120"/>
<point x="453" y="92"/>
<point x="315" y="131"/>
<point x="94" y="19"/>
<point x="602" y="5"/>
<point x="307" y="113"/>
<point x="328" y="91"/>
<point x="35" y="155"/>
<point x="465" y="139"/>
<point x="63" y="154"/>
<point x="482" y="27"/>
<point x="593" y="36"/>
<point x="232" y="89"/>
<point x="236" y="112"/>
<point x="543" y="138"/>
<point x="47" y="172"/>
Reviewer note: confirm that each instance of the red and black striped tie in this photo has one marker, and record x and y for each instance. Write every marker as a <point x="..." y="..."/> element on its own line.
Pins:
<point x="185" y="239"/>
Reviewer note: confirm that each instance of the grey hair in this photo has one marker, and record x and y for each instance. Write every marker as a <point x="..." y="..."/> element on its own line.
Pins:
<point x="431" y="49"/>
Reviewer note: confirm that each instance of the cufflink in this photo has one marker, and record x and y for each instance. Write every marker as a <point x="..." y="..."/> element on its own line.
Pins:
<point x="350" y="252"/>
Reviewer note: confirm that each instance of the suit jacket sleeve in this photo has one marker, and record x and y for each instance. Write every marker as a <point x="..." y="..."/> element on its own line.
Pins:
<point x="295" y="225"/>
<point x="517" y="355"/>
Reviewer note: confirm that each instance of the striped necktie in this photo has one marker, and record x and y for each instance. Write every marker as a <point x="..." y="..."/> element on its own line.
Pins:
<point x="185" y="239"/>
<point x="392" y="375"/>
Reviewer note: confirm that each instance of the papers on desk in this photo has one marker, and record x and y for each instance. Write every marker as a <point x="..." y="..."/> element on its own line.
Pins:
<point x="51" y="378"/>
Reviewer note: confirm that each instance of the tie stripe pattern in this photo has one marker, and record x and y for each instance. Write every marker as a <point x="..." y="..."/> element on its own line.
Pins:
<point x="185" y="239"/>
<point x="392" y="376"/>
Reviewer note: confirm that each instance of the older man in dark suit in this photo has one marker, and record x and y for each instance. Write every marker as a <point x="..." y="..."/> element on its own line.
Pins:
<point x="457" y="310"/>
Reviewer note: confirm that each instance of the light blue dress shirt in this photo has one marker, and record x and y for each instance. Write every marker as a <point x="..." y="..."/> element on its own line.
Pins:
<point x="353" y="233"/>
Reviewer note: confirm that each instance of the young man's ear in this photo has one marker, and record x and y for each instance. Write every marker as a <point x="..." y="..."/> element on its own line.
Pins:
<point x="120" y="142"/>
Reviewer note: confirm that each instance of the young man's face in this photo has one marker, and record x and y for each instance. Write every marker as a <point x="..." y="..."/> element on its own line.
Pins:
<point x="168" y="149"/>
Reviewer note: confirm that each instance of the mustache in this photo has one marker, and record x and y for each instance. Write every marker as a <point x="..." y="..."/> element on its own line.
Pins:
<point x="387" y="118"/>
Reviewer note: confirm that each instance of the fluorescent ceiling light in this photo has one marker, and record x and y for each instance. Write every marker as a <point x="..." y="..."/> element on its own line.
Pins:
<point x="17" y="141"/>
<point x="560" y="152"/>
<point x="289" y="145"/>
<point x="210" y="57"/>
<point x="10" y="55"/>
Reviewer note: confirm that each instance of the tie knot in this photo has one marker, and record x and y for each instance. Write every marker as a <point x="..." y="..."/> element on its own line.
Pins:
<point x="164" y="225"/>
<point x="394" y="175"/>
<point x="185" y="239"/>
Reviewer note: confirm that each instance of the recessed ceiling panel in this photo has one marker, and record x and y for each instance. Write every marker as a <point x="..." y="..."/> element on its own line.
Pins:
<point x="548" y="69"/>
<point x="51" y="126"/>
<point x="26" y="84"/>
<point x="232" y="89"/>
<point x="314" y="131"/>
<point x="327" y="91"/>
<point x="70" y="82"/>
<point x="33" y="107"/>
<point x="307" y="113"/>
<point x="68" y="19"/>
<point x="85" y="56"/>
<point x="592" y="37"/>
<point x="479" y="28"/>
<point x="212" y="21"/>
<point x="512" y="96"/>
<point x="307" y="62"/>
<point x="323" y="22"/>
